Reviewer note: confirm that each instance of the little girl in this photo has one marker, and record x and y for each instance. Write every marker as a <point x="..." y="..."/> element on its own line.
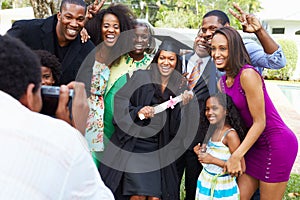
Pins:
<point x="225" y="130"/>
<point x="51" y="67"/>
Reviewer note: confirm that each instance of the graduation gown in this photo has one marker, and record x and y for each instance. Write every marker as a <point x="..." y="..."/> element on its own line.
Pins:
<point x="178" y="127"/>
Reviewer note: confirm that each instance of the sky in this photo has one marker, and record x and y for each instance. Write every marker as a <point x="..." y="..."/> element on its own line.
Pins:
<point x="278" y="8"/>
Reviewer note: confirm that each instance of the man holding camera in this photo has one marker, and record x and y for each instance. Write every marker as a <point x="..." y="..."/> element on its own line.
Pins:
<point x="44" y="157"/>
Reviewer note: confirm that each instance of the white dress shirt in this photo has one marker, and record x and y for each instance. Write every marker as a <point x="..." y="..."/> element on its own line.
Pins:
<point x="44" y="158"/>
<point x="192" y="62"/>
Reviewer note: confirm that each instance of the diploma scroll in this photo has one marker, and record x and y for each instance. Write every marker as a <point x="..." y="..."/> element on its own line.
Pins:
<point x="165" y="105"/>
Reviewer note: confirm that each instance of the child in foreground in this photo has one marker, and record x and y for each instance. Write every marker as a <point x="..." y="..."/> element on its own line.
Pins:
<point x="226" y="130"/>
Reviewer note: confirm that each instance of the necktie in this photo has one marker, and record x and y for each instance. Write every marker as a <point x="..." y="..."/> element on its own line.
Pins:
<point x="195" y="74"/>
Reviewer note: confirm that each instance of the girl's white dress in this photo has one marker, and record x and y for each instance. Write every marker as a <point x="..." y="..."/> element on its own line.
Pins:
<point x="212" y="182"/>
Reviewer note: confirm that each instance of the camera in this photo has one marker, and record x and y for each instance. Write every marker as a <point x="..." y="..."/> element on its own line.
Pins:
<point x="50" y="95"/>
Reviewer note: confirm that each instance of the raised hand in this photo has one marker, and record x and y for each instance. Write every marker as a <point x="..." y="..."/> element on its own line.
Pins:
<point x="250" y="23"/>
<point x="84" y="35"/>
<point x="94" y="8"/>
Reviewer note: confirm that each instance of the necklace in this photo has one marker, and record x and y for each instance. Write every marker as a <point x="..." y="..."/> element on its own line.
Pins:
<point x="229" y="81"/>
<point x="137" y="64"/>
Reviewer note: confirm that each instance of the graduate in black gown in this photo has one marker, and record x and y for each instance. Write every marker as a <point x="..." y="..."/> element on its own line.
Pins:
<point x="139" y="161"/>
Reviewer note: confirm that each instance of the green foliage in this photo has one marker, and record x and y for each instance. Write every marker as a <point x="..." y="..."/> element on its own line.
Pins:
<point x="293" y="188"/>
<point x="186" y="18"/>
<point x="186" y="13"/>
<point x="290" y="51"/>
<point x="189" y="13"/>
<point x="146" y="9"/>
<point x="6" y="4"/>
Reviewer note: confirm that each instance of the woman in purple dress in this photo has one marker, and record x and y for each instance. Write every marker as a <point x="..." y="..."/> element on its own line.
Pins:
<point x="270" y="147"/>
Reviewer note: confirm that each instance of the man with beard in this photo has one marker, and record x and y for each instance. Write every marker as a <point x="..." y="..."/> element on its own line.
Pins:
<point x="58" y="34"/>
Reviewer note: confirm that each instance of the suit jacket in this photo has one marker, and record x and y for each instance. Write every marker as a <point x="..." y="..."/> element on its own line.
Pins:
<point x="207" y="83"/>
<point x="205" y="86"/>
<point x="39" y="34"/>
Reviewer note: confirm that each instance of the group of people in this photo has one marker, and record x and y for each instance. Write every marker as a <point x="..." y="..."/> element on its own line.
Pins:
<point x="146" y="116"/>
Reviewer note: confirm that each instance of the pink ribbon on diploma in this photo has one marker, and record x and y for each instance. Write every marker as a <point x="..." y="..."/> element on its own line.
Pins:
<point x="171" y="103"/>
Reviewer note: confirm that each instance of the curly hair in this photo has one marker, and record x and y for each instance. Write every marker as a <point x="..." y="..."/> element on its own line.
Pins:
<point x="49" y="60"/>
<point x="122" y="12"/>
<point x="126" y="20"/>
<point x="19" y="66"/>
<point x="233" y="117"/>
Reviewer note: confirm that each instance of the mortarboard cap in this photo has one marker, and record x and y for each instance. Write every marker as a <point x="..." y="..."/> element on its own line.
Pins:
<point x="171" y="44"/>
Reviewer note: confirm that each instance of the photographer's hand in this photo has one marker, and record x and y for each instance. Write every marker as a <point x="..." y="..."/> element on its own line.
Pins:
<point x="62" y="111"/>
<point x="80" y="108"/>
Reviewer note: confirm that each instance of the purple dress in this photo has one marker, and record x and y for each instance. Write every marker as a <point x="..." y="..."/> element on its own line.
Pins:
<point x="272" y="156"/>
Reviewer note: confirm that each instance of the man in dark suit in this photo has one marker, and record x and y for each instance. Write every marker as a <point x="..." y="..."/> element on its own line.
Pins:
<point x="58" y="34"/>
<point x="205" y="86"/>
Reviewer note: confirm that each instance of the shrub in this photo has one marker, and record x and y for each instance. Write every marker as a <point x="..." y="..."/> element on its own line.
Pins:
<point x="290" y="51"/>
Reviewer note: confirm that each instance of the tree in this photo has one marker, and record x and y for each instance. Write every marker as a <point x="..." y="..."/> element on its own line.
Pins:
<point x="161" y="13"/>
<point x="189" y="12"/>
<point x="44" y="8"/>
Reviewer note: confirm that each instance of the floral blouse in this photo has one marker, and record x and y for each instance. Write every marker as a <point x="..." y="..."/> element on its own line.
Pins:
<point x="95" y="124"/>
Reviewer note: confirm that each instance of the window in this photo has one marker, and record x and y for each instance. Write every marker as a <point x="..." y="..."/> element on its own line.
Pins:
<point x="277" y="30"/>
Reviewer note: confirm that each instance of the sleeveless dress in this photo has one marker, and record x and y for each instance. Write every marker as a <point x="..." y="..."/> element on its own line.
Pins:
<point x="212" y="182"/>
<point x="271" y="157"/>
